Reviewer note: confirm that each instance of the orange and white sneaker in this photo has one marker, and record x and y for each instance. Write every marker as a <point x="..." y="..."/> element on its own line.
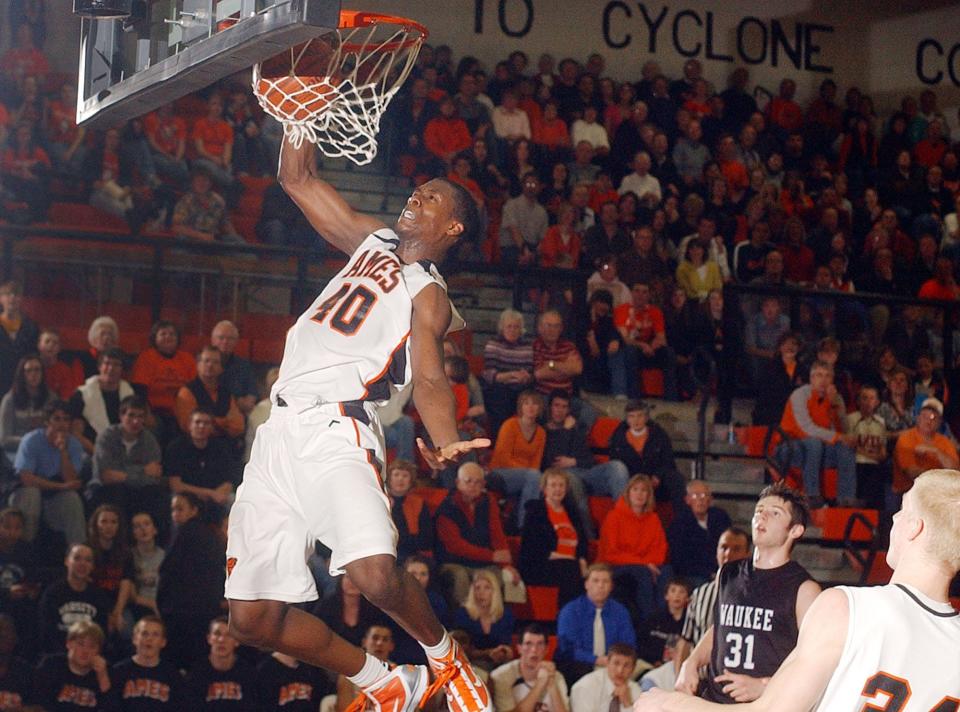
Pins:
<point x="464" y="690"/>
<point x="400" y="691"/>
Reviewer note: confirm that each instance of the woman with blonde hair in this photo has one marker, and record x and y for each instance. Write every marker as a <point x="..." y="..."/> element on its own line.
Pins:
<point x="553" y="542"/>
<point x="486" y="620"/>
<point x="633" y="541"/>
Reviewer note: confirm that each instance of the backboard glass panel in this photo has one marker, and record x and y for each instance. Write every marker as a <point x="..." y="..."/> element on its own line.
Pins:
<point x="169" y="48"/>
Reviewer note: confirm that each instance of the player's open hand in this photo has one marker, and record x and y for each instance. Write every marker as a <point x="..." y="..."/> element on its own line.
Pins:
<point x="652" y="701"/>
<point x="741" y="688"/>
<point x="441" y="457"/>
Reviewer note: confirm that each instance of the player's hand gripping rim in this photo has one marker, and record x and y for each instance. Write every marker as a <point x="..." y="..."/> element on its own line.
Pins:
<point x="440" y="457"/>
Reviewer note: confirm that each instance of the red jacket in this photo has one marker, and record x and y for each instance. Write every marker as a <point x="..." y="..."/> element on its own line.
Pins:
<point x="445" y="136"/>
<point x="630" y="538"/>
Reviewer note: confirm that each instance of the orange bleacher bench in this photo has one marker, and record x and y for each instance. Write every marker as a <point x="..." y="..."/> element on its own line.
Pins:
<point x="600" y="434"/>
<point x="833" y="522"/>
<point x="541" y="604"/>
<point x="600" y="507"/>
<point x="266" y="350"/>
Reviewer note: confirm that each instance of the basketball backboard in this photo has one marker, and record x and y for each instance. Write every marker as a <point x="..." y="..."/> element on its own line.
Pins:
<point x="169" y="48"/>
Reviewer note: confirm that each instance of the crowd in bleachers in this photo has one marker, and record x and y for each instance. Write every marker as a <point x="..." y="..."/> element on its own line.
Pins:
<point x="120" y="468"/>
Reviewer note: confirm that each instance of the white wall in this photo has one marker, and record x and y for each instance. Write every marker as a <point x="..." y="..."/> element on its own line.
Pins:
<point x="915" y="51"/>
<point x="628" y="33"/>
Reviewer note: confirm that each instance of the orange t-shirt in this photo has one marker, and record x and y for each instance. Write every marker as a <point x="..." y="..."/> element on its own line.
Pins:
<point x="566" y="534"/>
<point x="644" y="324"/>
<point x="906" y="457"/>
<point x="552" y="248"/>
<point x="512" y="449"/>
<point x="166" y="135"/>
<point x="551" y="134"/>
<point x="214" y="135"/>
<point x="735" y="173"/>
<point x="163" y="376"/>
<point x="638" y="442"/>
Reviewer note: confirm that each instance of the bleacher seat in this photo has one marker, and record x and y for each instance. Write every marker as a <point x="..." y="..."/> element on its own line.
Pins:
<point x="263" y="326"/>
<point x="266" y="350"/>
<point x="129" y="317"/>
<point x="246" y="227"/>
<point x="833" y="520"/>
<point x="73" y="338"/>
<point x="134" y="341"/>
<point x="463" y="339"/>
<point x="651" y="381"/>
<point x="541" y="605"/>
<point x="192" y="343"/>
<point x="600" y="507"/>
<point x="80" y="216"/>
<point x="600" y="434"/>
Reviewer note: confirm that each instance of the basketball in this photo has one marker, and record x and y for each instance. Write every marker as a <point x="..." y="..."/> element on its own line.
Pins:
<point x="297" y="84"/>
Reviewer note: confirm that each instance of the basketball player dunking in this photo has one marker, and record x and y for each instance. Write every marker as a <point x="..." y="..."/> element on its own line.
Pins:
<point x="894" y="648"/>
<point x="315" y="471"/>
<point x="761" y="601"/>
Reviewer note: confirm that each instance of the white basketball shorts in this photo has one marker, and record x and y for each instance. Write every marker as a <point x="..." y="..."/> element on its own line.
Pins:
<point x="313" y="474"/>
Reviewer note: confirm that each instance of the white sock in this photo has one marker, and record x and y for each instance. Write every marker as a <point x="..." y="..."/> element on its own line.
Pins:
<point x="440" y="649"/>
<point x="371" y="671"/>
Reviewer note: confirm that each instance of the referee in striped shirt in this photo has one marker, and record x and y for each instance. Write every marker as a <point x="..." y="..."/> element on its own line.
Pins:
<point x="733" y="545"/>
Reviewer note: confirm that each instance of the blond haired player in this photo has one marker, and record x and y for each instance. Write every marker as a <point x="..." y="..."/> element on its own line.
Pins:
<point x="894" y="648"/>
<point x="315" y="470"/>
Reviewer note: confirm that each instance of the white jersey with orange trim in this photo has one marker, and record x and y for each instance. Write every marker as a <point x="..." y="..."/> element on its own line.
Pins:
<point x="354" y="340"/>
<point x="902" y="654"/>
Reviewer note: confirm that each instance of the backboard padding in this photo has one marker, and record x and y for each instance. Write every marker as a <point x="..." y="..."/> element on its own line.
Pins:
<point x="171" y="48"/>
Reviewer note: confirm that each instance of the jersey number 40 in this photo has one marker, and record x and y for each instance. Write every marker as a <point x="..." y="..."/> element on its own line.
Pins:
<point x="352" y="308"/>
<point x="897" y="691"/>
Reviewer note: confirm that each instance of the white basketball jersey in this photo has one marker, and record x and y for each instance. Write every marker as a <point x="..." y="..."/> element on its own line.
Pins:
<point x="902" y="654"/>
<point x="354" y="340"/>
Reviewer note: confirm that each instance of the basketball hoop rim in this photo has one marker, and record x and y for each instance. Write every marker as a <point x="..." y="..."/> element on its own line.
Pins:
<point x="354" y="19"/>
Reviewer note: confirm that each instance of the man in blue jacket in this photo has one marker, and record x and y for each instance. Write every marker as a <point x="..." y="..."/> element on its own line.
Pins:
<point x="590" y="624"/>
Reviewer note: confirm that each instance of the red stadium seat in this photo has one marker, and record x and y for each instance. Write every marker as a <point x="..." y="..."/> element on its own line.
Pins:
<point x="833" y="521"/>
<point x="246" y="227"/>
<point x="262" y="326"/>
<point x="600" y="507"/>
<point x="192" y="343"/>
<point x="266" y="350"/>
<point x="86" y="217"/>
<point x="651" y="381"/>
<point x="134" y="341"/>
<point x="600" y="434"/>
<point x="541" y="605"/>
<point x="73" y="338"/>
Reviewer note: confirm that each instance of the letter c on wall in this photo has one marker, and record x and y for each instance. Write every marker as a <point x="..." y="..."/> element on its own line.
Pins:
<point x="921" y="48"/>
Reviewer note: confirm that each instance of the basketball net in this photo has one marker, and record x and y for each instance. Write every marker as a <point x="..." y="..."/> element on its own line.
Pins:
<point x="340" y="112"/>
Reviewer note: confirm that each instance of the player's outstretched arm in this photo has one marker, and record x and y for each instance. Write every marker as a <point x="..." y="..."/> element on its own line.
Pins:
<point x="802" y="678"/>
<point x="327" y="212"/>
<point x="432" y="394"/>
